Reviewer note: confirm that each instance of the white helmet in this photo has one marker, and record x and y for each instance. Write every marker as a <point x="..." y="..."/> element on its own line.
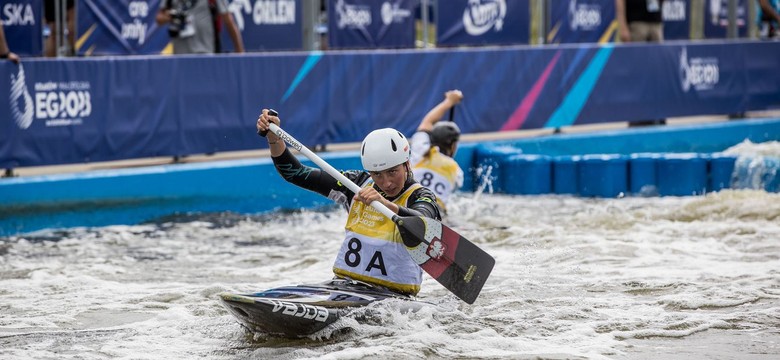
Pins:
<point x="383" y="149"/>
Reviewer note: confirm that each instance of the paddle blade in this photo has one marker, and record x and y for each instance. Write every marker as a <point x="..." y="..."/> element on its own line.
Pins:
<point x="446" y="256"/>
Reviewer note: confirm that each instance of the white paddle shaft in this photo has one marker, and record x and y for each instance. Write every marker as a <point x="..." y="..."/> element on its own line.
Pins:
<point x="326" y="167"/>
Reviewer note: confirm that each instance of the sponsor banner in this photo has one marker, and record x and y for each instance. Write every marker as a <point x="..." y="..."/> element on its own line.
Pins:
<point x="483" y="22"/>
<point x="677" y="22"/>
<point x="716" y="18"/>
<point x="42" y="108"/>
<point x="698" y="73"/>
<point x="266" y="25"/>
<point x="119" y="27"/>
<point x="126" y="27"/>
<point x="583" y="21"/>
<point x="97" y="109"/>
<point x="580" y="21"/>
<point x="690" y="79"/>
<point x="371" y="23"/>
<point x="23" y="26"/>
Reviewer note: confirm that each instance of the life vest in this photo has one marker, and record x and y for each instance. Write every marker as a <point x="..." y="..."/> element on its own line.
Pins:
<point x="373" y="250"/>
<point x="440" y="173"/>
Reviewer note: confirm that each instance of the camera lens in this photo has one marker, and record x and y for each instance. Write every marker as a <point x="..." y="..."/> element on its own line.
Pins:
<point x="177" y="21"/>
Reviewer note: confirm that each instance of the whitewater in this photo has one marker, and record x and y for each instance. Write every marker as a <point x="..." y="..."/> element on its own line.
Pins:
<point x="627" y="278"/>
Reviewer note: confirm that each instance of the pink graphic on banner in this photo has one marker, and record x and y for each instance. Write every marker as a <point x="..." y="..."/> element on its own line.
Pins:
<point x="521" y="113"/>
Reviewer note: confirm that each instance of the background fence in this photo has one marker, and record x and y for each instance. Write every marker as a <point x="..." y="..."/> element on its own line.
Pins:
<point x="99" y="109"/>
<point x="128" y="27"/>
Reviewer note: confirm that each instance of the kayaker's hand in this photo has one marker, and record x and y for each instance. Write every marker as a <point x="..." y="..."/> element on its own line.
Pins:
<point x="263" y="125"/>
<point x="453" y="97"/>
<point x="369" y="195"/>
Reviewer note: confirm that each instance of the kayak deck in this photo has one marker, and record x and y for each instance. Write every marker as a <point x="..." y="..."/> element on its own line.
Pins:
<point x="302" y="310"/>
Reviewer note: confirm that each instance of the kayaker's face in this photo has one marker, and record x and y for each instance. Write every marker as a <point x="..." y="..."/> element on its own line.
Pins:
<point x="391" y="180"/>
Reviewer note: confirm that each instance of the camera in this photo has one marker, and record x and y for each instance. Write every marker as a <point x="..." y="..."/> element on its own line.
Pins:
<point x="178" y="22"/>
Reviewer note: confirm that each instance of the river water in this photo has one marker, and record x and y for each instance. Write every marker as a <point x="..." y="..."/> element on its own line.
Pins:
<point x="631" y="278"/>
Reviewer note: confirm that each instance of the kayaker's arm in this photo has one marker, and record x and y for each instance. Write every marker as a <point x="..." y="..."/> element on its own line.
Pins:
<point x="314" y="179"/>
<point x="451" y="98"/>
<point x="307" y="177"/>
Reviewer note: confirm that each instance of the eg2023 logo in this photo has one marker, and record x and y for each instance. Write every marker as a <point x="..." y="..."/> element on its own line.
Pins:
<point x="56" y="103"/>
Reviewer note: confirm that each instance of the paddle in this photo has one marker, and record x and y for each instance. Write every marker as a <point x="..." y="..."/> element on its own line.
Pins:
<point x="448" y="257"/>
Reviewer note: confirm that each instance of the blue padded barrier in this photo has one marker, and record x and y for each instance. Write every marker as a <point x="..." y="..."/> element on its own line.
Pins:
<point x="565" y="174"/>
<point x="603" y="175"/>
<point x="682" y="175"/>
<point x="464" y="156"/>
<point x="721" y="169"/>
<point x="654" y="139"/>
<point x="526" y="174"/>
<point x="488" y="158"/>
<point x="642" y="174"/>
<point x="505" y="170"/>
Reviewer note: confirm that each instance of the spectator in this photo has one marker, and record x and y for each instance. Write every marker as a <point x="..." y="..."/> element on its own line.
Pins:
<point x="433" y="146"/>
<point x="50" y="13"/>
<point x="640" y="21"/>
<point x="194" y="25"/>
<point x="5" y="51"/>
<point x="768" y="19"/>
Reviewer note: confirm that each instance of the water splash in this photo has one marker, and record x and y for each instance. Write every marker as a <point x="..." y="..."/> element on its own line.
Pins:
<point x="756" y="166"/>
<point x="485" y="175"/>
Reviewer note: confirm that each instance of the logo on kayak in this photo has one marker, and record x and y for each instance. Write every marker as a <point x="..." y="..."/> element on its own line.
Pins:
<point x="436" y="249"/>
<point x="300" y="310"/>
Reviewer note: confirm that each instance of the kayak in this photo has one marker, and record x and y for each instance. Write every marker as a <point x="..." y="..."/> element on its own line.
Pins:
<point x="302" y="310"/>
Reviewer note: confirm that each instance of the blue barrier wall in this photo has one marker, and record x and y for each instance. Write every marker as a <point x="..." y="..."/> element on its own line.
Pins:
<point x="675" y="139"/>
<point x="667" y="161"/>
<point x="101" y="109"/>
<point x="134" y="195"/>
<point x="129" y="196"/>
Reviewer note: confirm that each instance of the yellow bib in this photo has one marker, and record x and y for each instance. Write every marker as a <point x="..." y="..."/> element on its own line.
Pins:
<point x="439" y="173"/>
<point x="373" y="250"/>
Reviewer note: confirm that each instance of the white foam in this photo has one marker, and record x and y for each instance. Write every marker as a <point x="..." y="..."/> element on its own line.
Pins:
<point x="590" y="278"/>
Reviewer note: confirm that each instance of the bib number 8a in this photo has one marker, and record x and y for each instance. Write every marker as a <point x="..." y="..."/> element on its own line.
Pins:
<point x="352" y="257"/>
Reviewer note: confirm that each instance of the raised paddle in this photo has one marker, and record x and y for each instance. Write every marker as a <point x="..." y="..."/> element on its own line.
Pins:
<point x="448" y="257"/>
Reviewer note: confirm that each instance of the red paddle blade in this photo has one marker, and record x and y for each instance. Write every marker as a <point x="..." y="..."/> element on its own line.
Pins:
<point x="445" y="255"/>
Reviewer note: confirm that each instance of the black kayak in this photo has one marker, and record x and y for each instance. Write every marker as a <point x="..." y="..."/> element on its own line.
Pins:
<point x="302" y="310"/>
